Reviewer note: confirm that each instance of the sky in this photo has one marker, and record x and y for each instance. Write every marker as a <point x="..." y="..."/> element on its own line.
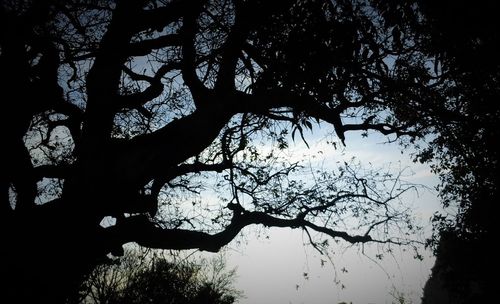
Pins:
<point x="273" y="265"/>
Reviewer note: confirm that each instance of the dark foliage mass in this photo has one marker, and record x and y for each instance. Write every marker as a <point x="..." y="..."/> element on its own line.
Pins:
<point x="465" y="149"/>
<point x="160" y="278"/>
<point x="175" y="118"/>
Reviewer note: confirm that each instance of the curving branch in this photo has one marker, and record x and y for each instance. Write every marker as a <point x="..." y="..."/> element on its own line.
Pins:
<point x="183" y="169"/>
<point x="155" y="89"/>
<point x="146" y="233"/>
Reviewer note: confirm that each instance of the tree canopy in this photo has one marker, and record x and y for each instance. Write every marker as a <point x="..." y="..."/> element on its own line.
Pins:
<point x="133" y="109"/>
<point x="465" y="150"/>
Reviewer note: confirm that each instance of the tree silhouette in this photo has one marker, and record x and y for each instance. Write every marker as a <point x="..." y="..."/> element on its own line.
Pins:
<point x="463" y="119"/>
<point x="157" y="278"/>
<point x="131" y="109"/>
<point x="465" y="150"/>
<point x="465" y="114"/>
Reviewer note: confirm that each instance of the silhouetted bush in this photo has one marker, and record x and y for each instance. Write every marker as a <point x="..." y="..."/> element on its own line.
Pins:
<point x="158" y="278"/>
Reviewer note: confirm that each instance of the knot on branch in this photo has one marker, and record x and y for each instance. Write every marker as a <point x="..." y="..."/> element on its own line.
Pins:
<point x="236" y="208"/>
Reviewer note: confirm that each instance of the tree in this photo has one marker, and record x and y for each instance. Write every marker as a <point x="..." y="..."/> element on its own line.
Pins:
<point x="156" y="278"/>
<point x="466" y="114"/>
<point x="130" y="109"/>
<point x="462" y="119"/>
<point x="464" y="151"/>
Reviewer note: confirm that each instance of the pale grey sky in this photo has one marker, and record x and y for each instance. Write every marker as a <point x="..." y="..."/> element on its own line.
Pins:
<point x="272" y="268"/>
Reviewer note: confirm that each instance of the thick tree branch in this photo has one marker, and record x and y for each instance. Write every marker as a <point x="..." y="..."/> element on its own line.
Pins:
<point x="248" y="15"/>
<point x="260" y="103"/>
<point x="188" y="67"/>
<point x="19" y="172"/>
<point x="232" y="48"/>
<point x="141" y="230"/>
<point x="196" y="167"/>
<point x="103" y="78"/>
<point x="383" y="128"/>
<point x="156" y="154"/>
<point x="52" y="171"/>
<point x="154" y="90"/>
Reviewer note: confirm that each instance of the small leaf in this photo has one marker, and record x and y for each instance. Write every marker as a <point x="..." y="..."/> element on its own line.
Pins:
<point x="308" y="124"/>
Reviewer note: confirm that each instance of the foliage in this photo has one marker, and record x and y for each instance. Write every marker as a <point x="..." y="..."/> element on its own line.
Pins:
<point x="155" y="278"/>
<point x="463" y="149"/>
<point x="176" y="118"/>
<point x="466" y="146"/>
<point x="463" y="113"/>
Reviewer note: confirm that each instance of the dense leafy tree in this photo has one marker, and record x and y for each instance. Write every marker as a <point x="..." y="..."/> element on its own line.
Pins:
<point x="465" y="113"/>
<point x="134" y="109"/>
<point x="461" y="120"/>
<point x="465" y="149"/>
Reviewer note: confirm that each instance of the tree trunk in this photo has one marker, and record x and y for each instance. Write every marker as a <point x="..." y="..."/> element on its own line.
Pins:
<point x="46" y="259"/>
